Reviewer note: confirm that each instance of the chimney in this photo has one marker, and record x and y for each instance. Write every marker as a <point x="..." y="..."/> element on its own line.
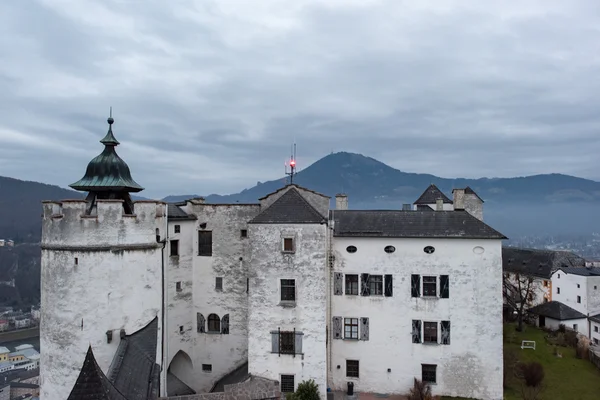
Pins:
<point x="439" y="205"/>
<point x="459" y="199"/>
<point x="341" y="201"/>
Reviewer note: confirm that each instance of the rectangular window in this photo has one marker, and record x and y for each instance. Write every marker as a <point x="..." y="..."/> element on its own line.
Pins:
<point x="578" y="286"/>
<point x="595" y="329"/>
<point x="428" y="373"/>
<point x="244" y="233"/>
<point x="286" y="342"/>
<point x="287" y="384"/>
<point x="288" y="290"/>
<point x="430" y="286"/>
<point x="180" y="328"/>
<point x="76" y="261"/>
<point x="579" y="299"/>
<point x="206" y="367"/>
<point x="557" y="290"/>
<point x="430" y="332"/>
<point x="350" y="328"/>
<point x="352" y="368"/>
<point x="288" y="245"/>
<point x="575" y="327"/>
<point x="596" y="341"/>
<point x="178" y="286"/>
<point x="174" y="247"/>
<point x="376" y="285"/>
<point x="219" y="283"/>
<point x="177" y="228"/>
<point x="352" y="284"/>
<point x="205" y="243"/>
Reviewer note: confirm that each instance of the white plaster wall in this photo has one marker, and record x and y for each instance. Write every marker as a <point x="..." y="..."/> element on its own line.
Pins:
<point x="115" y="284"/>
<point x="225" y="352"/>
<point x="593" y="294"/>
<point x="471" y="366"/>
<point x="308" y="267"/>
<point x="569" y="290"/>
<point x="446" y="206"/>
<point x="595" y="334"/>
<point x="582" y="324"/>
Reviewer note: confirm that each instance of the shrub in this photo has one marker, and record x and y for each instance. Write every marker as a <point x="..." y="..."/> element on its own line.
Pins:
<point x="533" y="374"/>
<point x="562" y="328"/>
<point x="307" y="390"/>
<point x="420" y="391"/>
<point x="571" y="338"/>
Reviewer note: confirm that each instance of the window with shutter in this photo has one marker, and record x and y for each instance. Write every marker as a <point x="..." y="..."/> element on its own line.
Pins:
<point x="416" y="331"/>
<point x="415" y="285"/>
<point x="352" y="284"/>
<point x="338" y="283"/>
<point x="430" y="332"/>
<point x="364" y="328"/>
<point x="444" y="286"/>
<point x="337" y="327"/>
<point x="430" y="286"/>
<point x="445" y="332"/>
<point x="364" y="285"/>
<point x="287" y="342"/>
<point x="200" y="323"/>
<point x="389" y="286"/>
<point x="225" y="324"/>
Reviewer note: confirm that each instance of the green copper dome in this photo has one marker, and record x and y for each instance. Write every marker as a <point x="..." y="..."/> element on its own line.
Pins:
<point x="107" y="172"/>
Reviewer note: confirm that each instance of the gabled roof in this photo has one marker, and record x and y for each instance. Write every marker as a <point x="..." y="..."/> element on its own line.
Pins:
<point x="557" y="310"/>
<point x="92" y="384"/>
<point x="430" y="196"/>
<point x="295" y="186"/>
<point x="586" y="271"/>
<point x="177" y="214"/>
<point x="411" y="224"/>
<point x="538" y="262"/>
<point x="134" y="371"/>
<point x="290" y="208"/>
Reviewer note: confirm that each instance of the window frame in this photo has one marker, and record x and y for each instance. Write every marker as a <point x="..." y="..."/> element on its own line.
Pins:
<point x="356" y="282"/>
<point x="578" y="299"/>
<point x="289" y="347"/>
<point x="282" y="378"/>
<point x="203" y="245"/>
<point x="375" y="287"/>
<point x="174" y="248"/>
<point x="433" y="280"/>
<point x="350" y="369"/>
<point x="243" y="233"/>
<point x="351" y="323"/>
<point x="428" y="369"/>
<point x="285" y="240"/>
<point x="284" y="290"/>
<point x="178" y="286"/>
<point x="207" y="368"/>
<point x="219" y="283"/>
<point x="208" y="323"/>
<point x="427" y="333"/>
<point x="177" y="229"/>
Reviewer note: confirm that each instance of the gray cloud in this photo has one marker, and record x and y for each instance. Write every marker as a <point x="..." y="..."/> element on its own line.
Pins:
<point x="208" y="96"/>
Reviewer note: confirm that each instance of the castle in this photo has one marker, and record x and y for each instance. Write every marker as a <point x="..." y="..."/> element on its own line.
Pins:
<point x="143" y="299"/>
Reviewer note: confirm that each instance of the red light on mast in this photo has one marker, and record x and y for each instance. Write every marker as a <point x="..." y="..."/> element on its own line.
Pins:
<point x="292" y="163"/>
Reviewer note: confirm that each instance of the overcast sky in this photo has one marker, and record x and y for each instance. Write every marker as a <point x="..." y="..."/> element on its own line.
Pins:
<point x="208" y="95"/>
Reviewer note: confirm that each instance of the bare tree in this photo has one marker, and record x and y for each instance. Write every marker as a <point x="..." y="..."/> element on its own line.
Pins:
<point x="519" y="293"/>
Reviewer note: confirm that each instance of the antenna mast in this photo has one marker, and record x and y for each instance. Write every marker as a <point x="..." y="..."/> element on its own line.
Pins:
<point x="292" y="170"/>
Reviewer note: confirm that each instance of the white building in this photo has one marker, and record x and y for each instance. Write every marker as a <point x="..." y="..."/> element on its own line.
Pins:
<point x="284" y="289"/>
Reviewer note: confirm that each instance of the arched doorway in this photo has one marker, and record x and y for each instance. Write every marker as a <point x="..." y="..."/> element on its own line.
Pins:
<point x="181" y="370"/>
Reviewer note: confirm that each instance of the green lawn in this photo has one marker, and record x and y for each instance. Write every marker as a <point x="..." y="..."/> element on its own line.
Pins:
<point x="566" y="378"/>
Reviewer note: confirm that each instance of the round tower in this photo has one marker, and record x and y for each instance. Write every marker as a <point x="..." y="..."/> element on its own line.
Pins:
<point x="101" y="270"/>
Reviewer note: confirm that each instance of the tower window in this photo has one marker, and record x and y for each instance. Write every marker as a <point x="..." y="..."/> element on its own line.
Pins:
<point x="180" y="328"/>
<point x="205" y="243"/>
<point x="178" y="286"/>
<point x="206" y="367"/>
<point x="219" y="283"/>
<point x="244" y="233"/>
<point x="288" y="245"/>
<point x="214" y="323"/>
<point x="76" y="261"/>
<point x="174" y="248"/>
<point x="287" y="383"/>
<point x="177" y="228"/>
<point x="288" y="290"/>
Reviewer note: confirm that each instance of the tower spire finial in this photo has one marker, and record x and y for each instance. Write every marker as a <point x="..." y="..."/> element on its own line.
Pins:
<point x="110" y="119"/>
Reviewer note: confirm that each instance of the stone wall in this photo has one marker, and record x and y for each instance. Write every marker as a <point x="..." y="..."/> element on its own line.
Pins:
<point x="255" y="388"/>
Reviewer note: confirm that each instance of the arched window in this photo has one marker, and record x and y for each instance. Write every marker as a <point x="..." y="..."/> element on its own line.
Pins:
<point x="214" y="323"/>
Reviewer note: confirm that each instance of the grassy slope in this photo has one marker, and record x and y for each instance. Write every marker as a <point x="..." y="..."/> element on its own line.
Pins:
<point x="566" y="378"/>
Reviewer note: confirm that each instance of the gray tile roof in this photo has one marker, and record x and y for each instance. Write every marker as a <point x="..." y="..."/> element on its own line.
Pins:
<point x="177" y="214"/>
<point x="92" y="384"/>
<point x="134" y="371"/>
<point x="176" y="387"/>
<point x="236" y="376"/>
<point x="411" y="224"/>
<point x="587" y="271"/>
<point x="430" y="196"/>
<point x="595" y="318"/>
<point x="537" y="262"/>
<point x="290" y="208"/>
<point x="556" y="310"/>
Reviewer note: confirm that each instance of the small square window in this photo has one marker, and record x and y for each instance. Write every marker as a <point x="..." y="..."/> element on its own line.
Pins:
<point x="288" y="245"/>
<point x="244" y="233"/>
<point x="177" y="228"/>
<point x="287" y="384"/>
<point x="288" y="290"/>
<point x="579" y="299"/>
<point x="430" y="286"/>
<point x="428" y="373"/>
<point x="430" y="332"/>
<point x="351" y="284"/>
<point x="352" y="368"/>
<point x="180" y="328"/>
<point x="350" y="328"/>
<point x="219" y="283"/>
<point x="206" y="367"/>
<point x="178" y="286"/>
<point x="174" y="247"/>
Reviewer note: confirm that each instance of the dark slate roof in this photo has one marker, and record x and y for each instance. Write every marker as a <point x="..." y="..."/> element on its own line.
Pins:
<point x="236" y="376"/>
<point x="430" y="196"/>
<point x="295" y="186"/>
<point x="537" y="262"/>
<point x="92" y="384"/>
<point x="468" y="190"/>
<point x="177" y="214"/>
<point x="556" y="310"/>
<point x="595" y="318"/>
<point x="290" y="208"/>
<point x="134" y="371"/>
<point x="176" y="387"/>
<point x="587" y="271"/>
<point x="107" y="172"/>
<point x="411" y="224"/>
